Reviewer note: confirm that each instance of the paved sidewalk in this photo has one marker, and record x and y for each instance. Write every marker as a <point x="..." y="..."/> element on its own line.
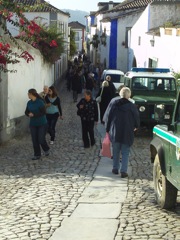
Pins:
<point x="98" y="208"/>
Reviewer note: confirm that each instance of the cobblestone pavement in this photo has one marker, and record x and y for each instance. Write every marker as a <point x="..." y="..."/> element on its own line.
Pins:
<point x="35" y="196"/>
<point x="140" y="217"/>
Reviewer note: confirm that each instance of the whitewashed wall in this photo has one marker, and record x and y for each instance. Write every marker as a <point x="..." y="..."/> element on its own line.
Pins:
<point x="104" y="50"/>
<point x="166" y="47"/>
<point x="34" y="74"/>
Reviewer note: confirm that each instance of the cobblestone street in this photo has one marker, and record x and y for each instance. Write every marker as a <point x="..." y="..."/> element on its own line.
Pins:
<point x="35" y="196"/>
<point x="141" y="218"/>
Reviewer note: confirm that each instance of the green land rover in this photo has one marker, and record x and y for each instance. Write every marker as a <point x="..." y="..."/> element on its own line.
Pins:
<point x="152" y="88"/>
<point x="165" y="155"/>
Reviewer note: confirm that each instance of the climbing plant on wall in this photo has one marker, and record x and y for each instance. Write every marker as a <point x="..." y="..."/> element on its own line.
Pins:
<point x="49" y="41"/>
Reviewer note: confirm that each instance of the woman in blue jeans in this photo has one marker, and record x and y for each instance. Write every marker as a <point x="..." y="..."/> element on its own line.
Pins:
<point x="36" y="111"/>
<point x="53" y="111"/>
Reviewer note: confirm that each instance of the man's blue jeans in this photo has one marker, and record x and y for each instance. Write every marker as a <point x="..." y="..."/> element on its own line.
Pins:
<point x="124" y="149"/>
<point x="38" y="134"/>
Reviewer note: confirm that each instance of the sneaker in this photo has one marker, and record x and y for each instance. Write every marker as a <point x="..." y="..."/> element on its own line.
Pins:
<point x="51" y="142"/>
<point x="115" y="171"/>
<point x="35" y="157"/>
<point x="124" y="175"/>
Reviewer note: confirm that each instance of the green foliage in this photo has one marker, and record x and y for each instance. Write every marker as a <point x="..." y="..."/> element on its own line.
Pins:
<point x="168" y="25"/>
<point x="176" y="75"/>
<point x="48" y="40"/>
<point x="72" y="43"/>
<point x="53" y="53"/>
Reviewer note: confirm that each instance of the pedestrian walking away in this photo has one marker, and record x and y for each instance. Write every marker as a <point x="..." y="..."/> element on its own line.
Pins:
<point x="53" y="111"/>
<point x="88" y="111"/>
<point x="109" y="92"/>
<point x="123" y="120"/>
<point x="113" y="100"/>
<point x="36" y="111"/>
<point x="76" y="84"/>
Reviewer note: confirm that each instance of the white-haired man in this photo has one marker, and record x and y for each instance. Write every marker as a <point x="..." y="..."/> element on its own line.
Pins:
<point x="113" y="100"/>
<point x="44" y="92"/>
<point x="123" y="120"/>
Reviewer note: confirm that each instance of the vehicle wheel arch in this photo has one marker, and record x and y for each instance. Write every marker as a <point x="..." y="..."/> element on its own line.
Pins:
<point x="156" y="147"/>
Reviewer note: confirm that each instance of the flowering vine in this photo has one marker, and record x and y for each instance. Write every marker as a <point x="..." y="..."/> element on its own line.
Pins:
<point x="48" y="41"/>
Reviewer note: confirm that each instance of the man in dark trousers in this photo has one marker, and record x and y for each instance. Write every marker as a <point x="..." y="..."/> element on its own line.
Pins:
<point x="123" y="120"/>
<point x="88" y="111"/>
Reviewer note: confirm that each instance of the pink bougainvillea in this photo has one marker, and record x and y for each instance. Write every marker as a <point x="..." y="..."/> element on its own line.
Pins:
<point x="53" y="43"/>
<point x="49" y="43"/>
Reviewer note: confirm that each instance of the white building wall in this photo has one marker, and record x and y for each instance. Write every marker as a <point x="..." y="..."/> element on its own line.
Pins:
<point x="165" y="51"/>
<point x="14" y="89"/>
<point x="104" y="58"/>
<point x="166" y="47"/>
<point x="34" y="74"/>
<point x="79" y="42"/>
<point x="139" y="39"/>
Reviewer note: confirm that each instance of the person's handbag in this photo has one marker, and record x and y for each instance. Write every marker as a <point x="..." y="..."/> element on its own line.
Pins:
<point x="106" y="146"/>
<point x="98" y="99"/>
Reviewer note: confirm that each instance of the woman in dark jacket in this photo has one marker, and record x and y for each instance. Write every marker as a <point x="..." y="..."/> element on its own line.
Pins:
<point x="107" y="92"/>
<point x="36" y="111"/>
<point x="76" y="84"/>
<point x="88" y="111"/>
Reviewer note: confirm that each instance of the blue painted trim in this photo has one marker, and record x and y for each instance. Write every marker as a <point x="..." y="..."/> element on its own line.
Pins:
<point x="92" y="20"/>
<point x="113" y="45"/>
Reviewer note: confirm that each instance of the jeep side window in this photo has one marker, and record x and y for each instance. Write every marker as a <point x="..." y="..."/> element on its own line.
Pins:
<point x="165" y="84"/>
<point x="140" y="83"/>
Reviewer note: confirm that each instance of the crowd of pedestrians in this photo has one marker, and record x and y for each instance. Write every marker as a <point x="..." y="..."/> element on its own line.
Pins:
<point x="118" y="114"/>
<point x="82" y="75"/>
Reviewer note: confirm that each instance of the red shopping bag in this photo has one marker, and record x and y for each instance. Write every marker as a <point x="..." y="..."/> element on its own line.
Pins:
<point x="106" y="146"/>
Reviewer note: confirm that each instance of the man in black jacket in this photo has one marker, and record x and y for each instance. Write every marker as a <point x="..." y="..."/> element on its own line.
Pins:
<point x="123" y="120"/>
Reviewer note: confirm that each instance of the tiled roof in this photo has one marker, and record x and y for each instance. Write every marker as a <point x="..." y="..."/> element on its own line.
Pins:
<point x="135" y="4"/>
<point x="105" y="6"/>
<point x="46" y="8"/>
<point x="76" y="25"/>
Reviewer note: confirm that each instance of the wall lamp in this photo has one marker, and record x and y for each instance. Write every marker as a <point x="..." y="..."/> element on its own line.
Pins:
<point x="152" y="41"/>
<point x="103" y="39"/>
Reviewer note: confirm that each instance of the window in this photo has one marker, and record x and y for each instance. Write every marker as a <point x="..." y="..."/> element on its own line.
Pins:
<point x="139" y="40"/>
<point x="157" y="84"/>
<point x="127" y="37"/>
<point x="77" y="36"/>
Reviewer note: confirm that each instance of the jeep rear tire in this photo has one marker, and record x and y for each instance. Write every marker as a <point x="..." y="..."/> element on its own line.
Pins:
<point x="165" y="192"/>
